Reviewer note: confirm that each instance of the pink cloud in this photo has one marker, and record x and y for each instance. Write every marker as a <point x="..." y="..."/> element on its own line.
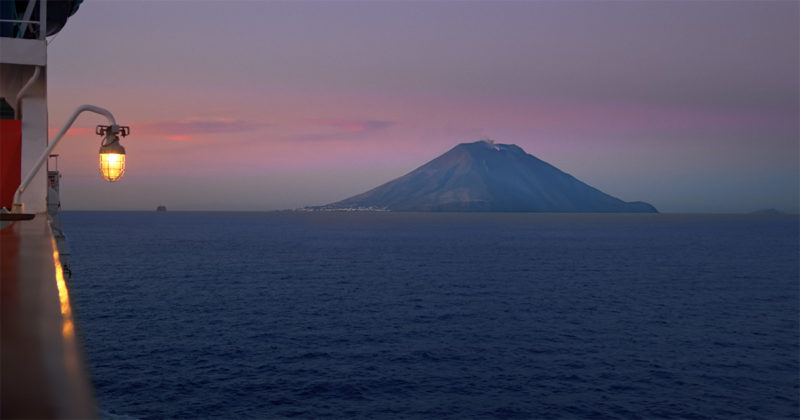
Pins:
<point x="188" y="129"/>
<point x="73" y="131"/>
<point x="177" y="137"/>
<point x="179" y="130"/>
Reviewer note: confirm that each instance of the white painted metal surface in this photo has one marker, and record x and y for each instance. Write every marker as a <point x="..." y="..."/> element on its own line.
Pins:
<point x="34" y="143"/>
<point x="31" y="52"/>
<point x="23" y="81"/>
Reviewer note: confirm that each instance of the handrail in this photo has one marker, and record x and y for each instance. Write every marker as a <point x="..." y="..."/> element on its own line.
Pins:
<point x="35" y="22"/>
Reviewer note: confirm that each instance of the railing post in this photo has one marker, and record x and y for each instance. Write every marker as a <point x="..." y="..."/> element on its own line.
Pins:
<point x="42" y="19"/>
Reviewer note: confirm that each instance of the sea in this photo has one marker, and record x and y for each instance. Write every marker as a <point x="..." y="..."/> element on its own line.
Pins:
<point x="270" y="315"/>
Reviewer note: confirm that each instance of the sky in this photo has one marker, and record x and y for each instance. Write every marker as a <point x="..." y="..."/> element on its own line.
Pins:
<point x="267" y="105"/>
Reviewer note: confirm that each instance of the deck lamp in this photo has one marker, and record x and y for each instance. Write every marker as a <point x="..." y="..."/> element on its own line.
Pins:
<point x="112" y="154"/>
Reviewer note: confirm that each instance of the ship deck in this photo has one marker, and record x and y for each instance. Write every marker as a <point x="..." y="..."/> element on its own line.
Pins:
<point x="43" y="372"/>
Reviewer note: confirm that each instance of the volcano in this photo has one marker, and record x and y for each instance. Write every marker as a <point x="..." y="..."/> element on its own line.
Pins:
<point x="488" y="177"/>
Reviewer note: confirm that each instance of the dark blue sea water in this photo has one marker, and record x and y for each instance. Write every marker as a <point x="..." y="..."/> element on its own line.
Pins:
<point x="387" y="315"/>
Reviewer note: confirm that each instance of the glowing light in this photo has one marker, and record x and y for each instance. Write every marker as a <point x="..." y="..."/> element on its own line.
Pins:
<point x="67" y="326"/>
<point x="112" y="166"/>
<point x="112" y="154"/>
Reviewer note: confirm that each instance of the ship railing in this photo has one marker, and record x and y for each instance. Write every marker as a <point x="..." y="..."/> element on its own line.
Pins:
<point x="18" y="27"/>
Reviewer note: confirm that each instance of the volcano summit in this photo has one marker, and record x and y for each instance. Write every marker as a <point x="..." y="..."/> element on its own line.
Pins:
<point x="490" y="177"/>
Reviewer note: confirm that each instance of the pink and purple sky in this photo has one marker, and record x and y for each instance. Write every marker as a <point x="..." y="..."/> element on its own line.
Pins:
<point x="261" y="105"/>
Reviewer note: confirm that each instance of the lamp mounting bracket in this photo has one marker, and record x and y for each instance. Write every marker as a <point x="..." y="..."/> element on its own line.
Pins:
<point x="102" y="130"/>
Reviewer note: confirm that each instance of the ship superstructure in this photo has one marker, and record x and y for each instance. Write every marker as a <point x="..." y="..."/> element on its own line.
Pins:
<point x="43" y="372"/>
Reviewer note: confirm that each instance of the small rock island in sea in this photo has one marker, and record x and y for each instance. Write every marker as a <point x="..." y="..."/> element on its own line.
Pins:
<point x="488" y="177"/>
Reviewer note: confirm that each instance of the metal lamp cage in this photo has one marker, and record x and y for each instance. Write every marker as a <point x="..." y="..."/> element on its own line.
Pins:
<point x="112" y="155"/>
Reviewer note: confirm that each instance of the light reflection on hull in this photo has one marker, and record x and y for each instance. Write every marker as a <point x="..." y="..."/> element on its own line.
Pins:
<point x="67" y="325"/>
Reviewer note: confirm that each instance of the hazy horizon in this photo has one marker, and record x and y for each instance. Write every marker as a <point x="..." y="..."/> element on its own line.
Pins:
<point x="690" y="106"/>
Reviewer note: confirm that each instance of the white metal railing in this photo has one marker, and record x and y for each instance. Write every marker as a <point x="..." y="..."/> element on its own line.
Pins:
<point x="22" y="24"/>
